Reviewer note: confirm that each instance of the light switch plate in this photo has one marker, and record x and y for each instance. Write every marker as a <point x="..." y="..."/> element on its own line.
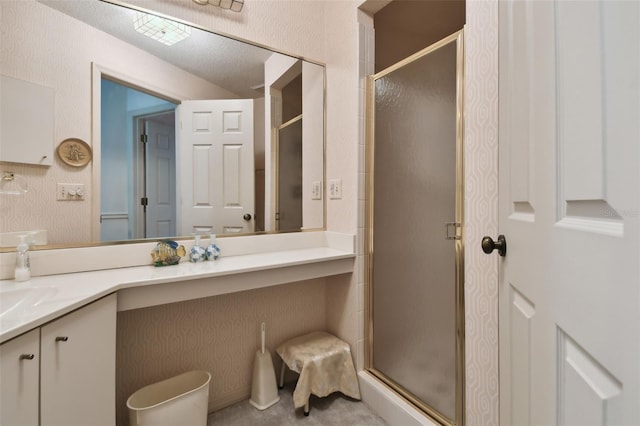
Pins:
<point x="70" y="192"/>
<point x="316" y="190"/>
<point x="335" y="189"/>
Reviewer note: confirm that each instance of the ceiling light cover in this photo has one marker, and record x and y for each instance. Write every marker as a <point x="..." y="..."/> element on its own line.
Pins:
<point x="163" y="30"/>
<point x="234" y="5"/>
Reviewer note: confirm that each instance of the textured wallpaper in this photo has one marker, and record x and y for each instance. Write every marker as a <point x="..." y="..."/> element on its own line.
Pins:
<point x="219" y="334"/>
<point x="481" y="212"/>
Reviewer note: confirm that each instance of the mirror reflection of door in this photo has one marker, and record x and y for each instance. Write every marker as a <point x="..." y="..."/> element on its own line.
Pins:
<point x="216" y="184"/>
<point x="125" y="167"/>
<point x="157" y="154"/>
<point x="140" y="165"/>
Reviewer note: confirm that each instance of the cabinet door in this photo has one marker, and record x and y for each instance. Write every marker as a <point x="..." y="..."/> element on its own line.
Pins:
<point x="19" y="362"/>
<point x="77" y="376"/>
<point x="27" y="122"/>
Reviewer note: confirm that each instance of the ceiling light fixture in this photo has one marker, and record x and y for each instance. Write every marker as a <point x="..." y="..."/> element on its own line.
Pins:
<point x="163" y="30"/>
<point x="234" y="5"/>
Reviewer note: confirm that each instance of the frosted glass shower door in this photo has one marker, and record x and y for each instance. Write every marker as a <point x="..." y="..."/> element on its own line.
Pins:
<point x="289" y="175"/>
<point x="415" y="248"/>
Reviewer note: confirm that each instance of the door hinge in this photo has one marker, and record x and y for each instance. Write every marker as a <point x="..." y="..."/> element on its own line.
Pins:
<point x="144" y="138"/>
<point x="144" y="201"/>
<point x="455" y="227"/>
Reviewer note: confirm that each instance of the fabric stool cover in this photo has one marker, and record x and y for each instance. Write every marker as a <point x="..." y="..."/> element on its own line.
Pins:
<point x="324" y="364"/>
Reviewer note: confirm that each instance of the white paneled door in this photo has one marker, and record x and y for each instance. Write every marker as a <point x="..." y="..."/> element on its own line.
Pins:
<point x="216" y="166"/>
<point x="160" y="179"/>
<point x="569" y="190"/>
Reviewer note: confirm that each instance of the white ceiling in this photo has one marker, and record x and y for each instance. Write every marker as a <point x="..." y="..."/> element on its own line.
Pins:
<point x="234" y="65"/>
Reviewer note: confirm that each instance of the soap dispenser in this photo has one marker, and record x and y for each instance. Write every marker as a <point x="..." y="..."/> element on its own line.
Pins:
<point x="212" y="251"/>
<point x="23" y="266"/>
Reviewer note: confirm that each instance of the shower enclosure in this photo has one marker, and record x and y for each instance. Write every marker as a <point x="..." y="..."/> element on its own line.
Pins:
<point x="414" y="229"/>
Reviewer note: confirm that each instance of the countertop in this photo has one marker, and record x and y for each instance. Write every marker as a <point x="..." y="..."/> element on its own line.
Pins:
<point x="27" y="305"/>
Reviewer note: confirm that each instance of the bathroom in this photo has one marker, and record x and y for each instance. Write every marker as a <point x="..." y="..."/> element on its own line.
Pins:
<point x="338" y="34"/>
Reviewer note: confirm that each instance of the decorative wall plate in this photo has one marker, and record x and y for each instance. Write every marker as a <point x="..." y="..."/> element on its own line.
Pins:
<point x="74" y="152"/>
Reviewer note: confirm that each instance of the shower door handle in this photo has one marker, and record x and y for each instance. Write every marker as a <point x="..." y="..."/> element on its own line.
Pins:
<point x="488" y="245"/>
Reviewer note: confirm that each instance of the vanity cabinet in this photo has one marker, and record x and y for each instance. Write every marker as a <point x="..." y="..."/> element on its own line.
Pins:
<point x="19" y="373"/>
<point x="74" y="360"/>
<point x="78" y="367"/>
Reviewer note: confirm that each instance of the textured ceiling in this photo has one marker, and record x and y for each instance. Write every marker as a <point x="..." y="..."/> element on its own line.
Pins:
<point x="231" y="64"/>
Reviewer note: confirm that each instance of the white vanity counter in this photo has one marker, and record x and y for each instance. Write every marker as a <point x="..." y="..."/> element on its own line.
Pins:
<point x="265" y="261"/>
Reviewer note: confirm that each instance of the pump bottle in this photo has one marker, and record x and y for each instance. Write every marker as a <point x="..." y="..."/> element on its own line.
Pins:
<point x="23" y="266"/>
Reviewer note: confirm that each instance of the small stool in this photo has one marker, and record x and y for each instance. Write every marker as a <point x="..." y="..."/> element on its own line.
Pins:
<point x="324" y="364"/>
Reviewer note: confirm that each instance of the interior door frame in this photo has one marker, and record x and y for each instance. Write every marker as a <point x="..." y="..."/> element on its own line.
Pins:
<point x="459" y="242"/>
<point x="98" y="72"/>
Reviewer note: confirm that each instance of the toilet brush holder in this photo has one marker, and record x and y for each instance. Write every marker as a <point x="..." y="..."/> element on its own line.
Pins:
<point x="264" y="391"/>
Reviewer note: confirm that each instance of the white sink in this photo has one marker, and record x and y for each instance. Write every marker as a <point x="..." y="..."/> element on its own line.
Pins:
<point x="24" y="298"/>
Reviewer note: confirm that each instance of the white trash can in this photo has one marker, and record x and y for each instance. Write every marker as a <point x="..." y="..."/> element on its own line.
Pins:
<point x="180" y="400"/>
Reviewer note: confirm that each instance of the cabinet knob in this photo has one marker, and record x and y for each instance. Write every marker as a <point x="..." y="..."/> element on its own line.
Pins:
<point x="62" y="338"/>
<point x="27" y="356"/>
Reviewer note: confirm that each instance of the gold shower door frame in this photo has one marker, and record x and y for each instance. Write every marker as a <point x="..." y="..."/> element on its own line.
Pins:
<point x="277" y="136"/>
<point x="459" y="248"/>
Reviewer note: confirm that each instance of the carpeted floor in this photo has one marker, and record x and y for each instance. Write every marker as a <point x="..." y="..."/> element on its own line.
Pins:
<point x="336" y="409"/>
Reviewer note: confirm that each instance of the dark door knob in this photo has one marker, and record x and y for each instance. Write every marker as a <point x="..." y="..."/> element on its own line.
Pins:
<point x="488" y="245"/>
<point x="247" y="217"/>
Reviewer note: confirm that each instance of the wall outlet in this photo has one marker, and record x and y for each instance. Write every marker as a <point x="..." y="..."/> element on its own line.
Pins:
<point x="335" y="189"/>
<point x="70" y="192"/>
<point x="316" y="190"/>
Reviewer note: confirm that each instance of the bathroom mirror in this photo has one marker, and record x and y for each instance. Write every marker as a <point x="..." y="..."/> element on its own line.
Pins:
<point x="113" y="85"/>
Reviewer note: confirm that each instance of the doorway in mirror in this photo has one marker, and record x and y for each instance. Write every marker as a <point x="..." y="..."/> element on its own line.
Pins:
<point x="138" y="170"/>
<point x="174" y="169"/>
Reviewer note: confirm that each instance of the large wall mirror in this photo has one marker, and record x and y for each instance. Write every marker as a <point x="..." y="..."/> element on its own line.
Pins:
<point x="188" y="131"/>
